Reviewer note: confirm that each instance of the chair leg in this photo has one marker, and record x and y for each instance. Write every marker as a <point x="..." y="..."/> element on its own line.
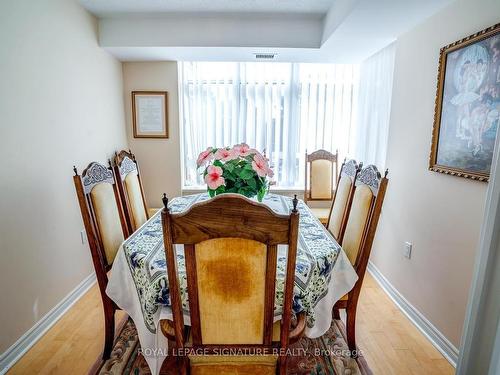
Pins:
<point x="109" y="333"/>
<point x="184" y="365"/>
<point x="336" y="313"/>
<point x="282" y="362"/>
<point x="351" y="329"/>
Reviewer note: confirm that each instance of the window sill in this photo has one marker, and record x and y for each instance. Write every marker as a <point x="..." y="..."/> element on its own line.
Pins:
<point x="277" y="190"/>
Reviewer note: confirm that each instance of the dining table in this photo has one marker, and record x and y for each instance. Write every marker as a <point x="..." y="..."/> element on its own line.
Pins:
<point x="138" y="281"/>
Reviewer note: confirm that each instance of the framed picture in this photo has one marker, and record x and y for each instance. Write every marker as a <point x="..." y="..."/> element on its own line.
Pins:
<point x="467" y="108"/>
<point x="150" y="114"/>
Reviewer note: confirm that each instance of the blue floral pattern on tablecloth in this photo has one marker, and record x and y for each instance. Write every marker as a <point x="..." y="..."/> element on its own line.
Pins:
<point x="316" y="256"/>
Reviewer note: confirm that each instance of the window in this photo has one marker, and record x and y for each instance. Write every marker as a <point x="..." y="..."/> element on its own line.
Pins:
<point x="282" y="108"/>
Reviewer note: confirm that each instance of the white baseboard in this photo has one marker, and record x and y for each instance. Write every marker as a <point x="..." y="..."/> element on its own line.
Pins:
<point x="445" y="347"/>
<point x="26" y="341"/>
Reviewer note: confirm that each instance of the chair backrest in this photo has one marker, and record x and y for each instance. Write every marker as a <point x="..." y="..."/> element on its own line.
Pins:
<point x="129" y="184"/>
<point x="320" y="168"/>
<point x="230" y="247"/>
<point x="102" y="216"/>
<point x="342" y="199"/>
<point x="363" y="216"/>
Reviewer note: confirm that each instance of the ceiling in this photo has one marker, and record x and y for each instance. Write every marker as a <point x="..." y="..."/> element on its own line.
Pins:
<point x="103" y="8"/>
<point x="340" y="31"/>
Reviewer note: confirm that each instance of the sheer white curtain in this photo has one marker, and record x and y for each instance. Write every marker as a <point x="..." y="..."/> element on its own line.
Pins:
<point x="282" y="108"/>
<point x="369" y="140"/>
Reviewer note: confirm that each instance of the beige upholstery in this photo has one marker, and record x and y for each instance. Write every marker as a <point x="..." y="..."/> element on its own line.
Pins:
<point x="108" y="219"/>
<point x="321" y="179"/>
<point x="233" y="365"/>
<point x="358" y="216"/>
<point x="339" y="205"/>
<point x="136" y="203"/>
<point x="231" y="276"/>
<point x="236" y="364"/>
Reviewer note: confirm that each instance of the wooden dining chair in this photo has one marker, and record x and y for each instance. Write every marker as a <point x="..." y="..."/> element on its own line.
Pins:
<point x="342" y="199"/>
<point x="358" y="239"/>
<point x="230" y="248"/>
<point x="106" y="230"/>
<point x="130" y="188"/>
<point x="321" y="170"/>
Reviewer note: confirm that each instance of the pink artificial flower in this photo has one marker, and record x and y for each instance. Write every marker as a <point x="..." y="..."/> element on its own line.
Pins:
<point x="270" y="172"/>
<point x="204" y="157"/>
<point x="214" y="177"/>
<point x="259" y="165"/>
<point x="225" y="155"/>
<point x="244" y="150"/>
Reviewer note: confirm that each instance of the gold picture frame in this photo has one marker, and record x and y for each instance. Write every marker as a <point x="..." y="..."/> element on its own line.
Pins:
<point x="467" y="106"/>
<point x="150" y="114"/>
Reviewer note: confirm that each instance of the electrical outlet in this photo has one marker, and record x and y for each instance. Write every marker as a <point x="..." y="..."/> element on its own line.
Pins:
<point x="83" y="236"/>
<point x="407" y="249"/>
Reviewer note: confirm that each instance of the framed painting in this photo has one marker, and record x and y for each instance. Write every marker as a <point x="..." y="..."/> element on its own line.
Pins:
<point x="150" y="114"/>
<point x="467" y="107"/>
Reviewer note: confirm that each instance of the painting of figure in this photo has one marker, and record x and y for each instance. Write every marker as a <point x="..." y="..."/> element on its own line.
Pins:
<point x="467" y="106"/>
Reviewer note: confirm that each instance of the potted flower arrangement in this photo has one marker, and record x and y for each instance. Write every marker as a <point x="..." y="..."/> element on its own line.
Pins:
<point x="240" y="169"/>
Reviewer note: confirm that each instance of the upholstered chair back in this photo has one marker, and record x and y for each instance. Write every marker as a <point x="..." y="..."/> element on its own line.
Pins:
<point x="230" y="248"/>
<point x="107" y="219"/>
<point x="231" y="290"/>
<point x="130" y="188"/>
<point x="102" y="215"/>
<point x="363" y="215"/>
<point x="342" y="199"/>
<point x="320" y="170"/>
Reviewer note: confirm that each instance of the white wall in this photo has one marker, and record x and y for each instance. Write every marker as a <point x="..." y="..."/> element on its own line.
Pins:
<point x="60" y="104"/>
<point x="441" y="215"/>
<point x="159" y="159"/>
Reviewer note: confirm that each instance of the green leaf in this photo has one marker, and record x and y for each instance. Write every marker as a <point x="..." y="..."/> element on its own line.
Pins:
<point x="211" y="193"/>
<point x="246" y="192"/>
<point x="252" y="183"/>
<point x="247" y="174"/>
<point x="229" y="177"/>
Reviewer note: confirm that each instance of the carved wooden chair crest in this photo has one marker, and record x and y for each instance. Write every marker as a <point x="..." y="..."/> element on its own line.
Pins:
<point x="106" y="229"/>
<point x="128" y="178"/>
<point x="230" y="247"/>
<point x="358" y="237"/>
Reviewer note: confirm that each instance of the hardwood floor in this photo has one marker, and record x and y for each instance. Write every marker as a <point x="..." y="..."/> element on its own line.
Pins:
<point x="390" y="342"/>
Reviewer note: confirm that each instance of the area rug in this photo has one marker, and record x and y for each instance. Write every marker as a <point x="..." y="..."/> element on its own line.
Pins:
<point x="327" y="354"/>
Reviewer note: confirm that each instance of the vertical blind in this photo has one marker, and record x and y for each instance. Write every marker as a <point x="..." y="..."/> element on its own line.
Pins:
<point x="282" y="108"/>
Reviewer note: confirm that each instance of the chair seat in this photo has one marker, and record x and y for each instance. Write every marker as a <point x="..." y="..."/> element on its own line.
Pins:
<point x="321" y="213"/>
<point x="167" y="327"/>
<point x="236" y="364"/>
<point x="233" y="365"/>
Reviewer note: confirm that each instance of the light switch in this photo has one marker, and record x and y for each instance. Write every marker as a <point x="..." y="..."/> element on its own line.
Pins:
<point x="407" y="250"/>
<point x="83" y="236"/>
